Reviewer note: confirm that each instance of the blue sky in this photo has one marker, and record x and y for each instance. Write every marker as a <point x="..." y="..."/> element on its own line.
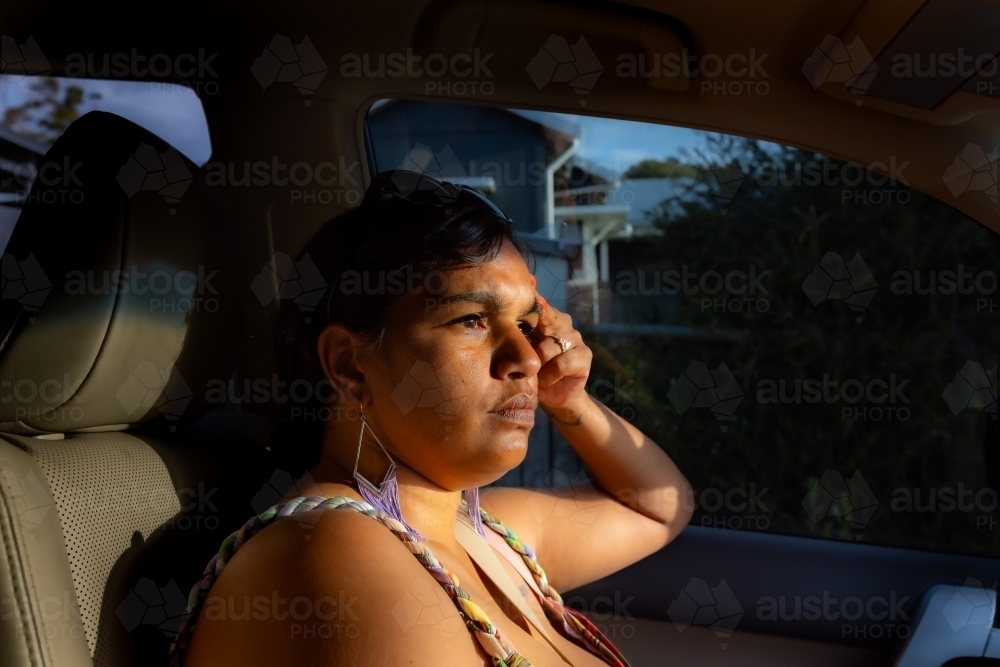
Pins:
<point x="617" y="144"/>
<point x="172" y="112"/>
<point x="612" y="141"/>
<point x="175" y="114"/>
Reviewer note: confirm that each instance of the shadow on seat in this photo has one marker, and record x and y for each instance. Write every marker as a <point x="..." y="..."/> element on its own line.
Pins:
<point x="123" y="289"/>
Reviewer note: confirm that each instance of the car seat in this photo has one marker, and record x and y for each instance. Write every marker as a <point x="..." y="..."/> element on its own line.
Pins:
<point x="119" y="473"/>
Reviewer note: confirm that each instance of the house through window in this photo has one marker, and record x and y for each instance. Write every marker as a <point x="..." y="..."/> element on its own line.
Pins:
<point x="814" y="342"/>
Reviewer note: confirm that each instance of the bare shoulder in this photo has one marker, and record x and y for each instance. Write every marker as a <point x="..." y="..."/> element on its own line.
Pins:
<point x="328" y="587"/>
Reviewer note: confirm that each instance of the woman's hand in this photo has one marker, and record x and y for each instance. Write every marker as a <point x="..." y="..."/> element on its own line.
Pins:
<point x="642" y="501"/>
<point x="563" y="377"/>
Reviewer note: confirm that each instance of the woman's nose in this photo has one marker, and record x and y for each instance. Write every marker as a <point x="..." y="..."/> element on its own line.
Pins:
<point x="515" y="357"/>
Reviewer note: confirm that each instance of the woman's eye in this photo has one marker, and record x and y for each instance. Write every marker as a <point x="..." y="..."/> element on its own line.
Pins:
<point x="475" y="321"/>
<point x="468" y="320"/>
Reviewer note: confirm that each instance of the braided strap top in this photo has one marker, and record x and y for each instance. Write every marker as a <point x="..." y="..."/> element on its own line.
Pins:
<point x="568" y="621"/>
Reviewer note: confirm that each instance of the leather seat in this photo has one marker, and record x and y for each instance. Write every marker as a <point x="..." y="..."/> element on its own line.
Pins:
<point x="121" y="302"/>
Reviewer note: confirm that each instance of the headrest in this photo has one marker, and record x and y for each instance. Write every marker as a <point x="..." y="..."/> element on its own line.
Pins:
<point x="121" y="294"/>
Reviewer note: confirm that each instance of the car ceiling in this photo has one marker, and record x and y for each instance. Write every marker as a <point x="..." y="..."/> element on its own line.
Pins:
<point x="787" y="31"/>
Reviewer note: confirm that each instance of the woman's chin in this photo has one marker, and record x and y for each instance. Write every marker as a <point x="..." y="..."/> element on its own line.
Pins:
<point x="510" y="450"/>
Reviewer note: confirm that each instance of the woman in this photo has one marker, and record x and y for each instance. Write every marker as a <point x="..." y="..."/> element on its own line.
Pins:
<point x="438" y="350"/>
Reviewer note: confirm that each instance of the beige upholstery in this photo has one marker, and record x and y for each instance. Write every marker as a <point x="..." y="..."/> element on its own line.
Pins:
<point x="106" y="488"/>
<point x="40" y="622"/>
<point x="144" y="293"/>
<point x="89" y="522"/>
<point x="112" y="492"/>
<point x="104" y="530"/>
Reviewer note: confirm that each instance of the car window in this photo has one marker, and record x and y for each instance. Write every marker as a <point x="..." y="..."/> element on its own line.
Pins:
<point x="36" y="110"/>
<point x="814" y="342"/>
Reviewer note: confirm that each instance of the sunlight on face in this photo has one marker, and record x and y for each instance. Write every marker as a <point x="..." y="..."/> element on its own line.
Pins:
<point x="449" y="362"/>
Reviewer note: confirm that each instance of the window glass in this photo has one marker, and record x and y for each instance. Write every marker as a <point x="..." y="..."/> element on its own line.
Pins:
<point x="814" y="343"/>
<point x="36" y="110"/>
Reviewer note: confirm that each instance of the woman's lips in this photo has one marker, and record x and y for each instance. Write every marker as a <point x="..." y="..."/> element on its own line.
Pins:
<point x="522" y="416"/>
<point x="518" y="409"/>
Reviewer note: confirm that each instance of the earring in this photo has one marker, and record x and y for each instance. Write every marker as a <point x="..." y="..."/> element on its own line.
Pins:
<point x="471" y="497"/>
<point x="383" y="496"/>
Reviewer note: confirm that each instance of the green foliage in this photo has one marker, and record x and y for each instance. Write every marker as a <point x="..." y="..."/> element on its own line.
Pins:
<point x="669" y="167"/>
<point x="49" y="109"/>
<point x="784" y="227"/>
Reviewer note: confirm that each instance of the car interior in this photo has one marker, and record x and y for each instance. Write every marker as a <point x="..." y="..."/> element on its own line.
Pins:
<point x="125" y="460"/>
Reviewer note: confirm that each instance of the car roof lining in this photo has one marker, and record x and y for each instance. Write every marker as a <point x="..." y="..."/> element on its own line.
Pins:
<point x="792" y="112"/>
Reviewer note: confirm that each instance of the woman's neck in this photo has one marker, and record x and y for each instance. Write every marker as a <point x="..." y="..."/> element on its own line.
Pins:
<point x="429" y="509"/>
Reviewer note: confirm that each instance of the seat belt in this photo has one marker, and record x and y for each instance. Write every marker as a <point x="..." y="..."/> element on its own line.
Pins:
<point x="483" y="554"/>
<point x="501" y="547"/>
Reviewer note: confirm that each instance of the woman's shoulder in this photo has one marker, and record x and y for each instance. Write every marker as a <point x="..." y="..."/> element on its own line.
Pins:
<point x="324" y="587"/>
<point x="306" y="534"/>
<point x="322" y="550"/>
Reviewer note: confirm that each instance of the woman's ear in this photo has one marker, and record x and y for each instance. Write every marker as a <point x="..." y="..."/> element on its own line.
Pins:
<point x="337" y="349"/>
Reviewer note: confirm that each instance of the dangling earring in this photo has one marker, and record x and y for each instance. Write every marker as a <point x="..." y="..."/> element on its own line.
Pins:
<point x="383" y="496"/>
<point x="471" y="497"/>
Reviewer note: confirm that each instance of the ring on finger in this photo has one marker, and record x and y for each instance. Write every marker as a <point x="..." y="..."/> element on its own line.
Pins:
<point x="564" y="344"/>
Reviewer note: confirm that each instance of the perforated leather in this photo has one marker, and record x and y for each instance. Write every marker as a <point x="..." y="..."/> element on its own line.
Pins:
<point x="40" y="622"/>
<point x="116" y="506"/>
<point x="106" y="492"/>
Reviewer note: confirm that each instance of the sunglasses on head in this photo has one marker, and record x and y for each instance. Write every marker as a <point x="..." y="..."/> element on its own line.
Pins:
<point x="421" y="189"/>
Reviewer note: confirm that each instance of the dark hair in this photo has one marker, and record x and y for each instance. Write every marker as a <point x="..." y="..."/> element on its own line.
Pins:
<point x="386" y="243"/>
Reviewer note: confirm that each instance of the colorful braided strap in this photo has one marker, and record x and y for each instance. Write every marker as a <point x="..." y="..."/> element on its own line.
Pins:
<point x="570" y="622"/>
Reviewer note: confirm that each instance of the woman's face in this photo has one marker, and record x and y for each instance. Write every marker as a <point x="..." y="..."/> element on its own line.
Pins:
<point x="448" y="365"/>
